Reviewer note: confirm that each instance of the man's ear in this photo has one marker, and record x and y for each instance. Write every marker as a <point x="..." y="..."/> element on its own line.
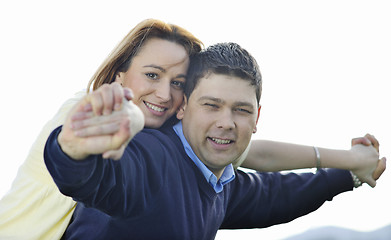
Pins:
<point x="255" y="128"/>
<point x="181" y="111"/>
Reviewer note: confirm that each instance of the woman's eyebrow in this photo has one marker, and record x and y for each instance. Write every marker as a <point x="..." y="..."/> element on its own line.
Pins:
<point x="155" y="66"/>
<point x="181" y="76"/>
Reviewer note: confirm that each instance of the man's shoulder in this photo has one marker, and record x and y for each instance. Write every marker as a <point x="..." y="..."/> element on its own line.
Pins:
<point x="156" y="138"/>
<point x="161" y="133"/>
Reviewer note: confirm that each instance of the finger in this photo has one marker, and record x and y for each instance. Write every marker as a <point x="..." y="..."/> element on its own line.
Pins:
<point x="381" y="167"/>
<point x="98" y="130"/>
<point x="77" y="119"/>
<point x="118" y="95"/>
<point x="128" y="94"/>
<point x="373" y="140"/>
<point x="96" y="101"/>
<point x="122" y="136"/>
<point x="87" y="107"/>
<point x="108" y="98"/>
<point x="361" y="140"/>
<point x="84" y="120"/>
<point x="79" y="116"/>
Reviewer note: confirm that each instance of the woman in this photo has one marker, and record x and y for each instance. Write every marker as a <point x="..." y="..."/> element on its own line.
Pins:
<point x="156" y="80"/>
<point x="34" y="208"/>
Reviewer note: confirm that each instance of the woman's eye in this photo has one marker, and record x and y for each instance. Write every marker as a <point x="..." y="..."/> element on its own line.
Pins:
<point x="151" y="75"/>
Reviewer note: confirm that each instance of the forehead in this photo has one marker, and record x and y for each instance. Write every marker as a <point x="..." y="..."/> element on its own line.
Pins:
<point x="162" y="53"/>
<point x="227" y="88"/>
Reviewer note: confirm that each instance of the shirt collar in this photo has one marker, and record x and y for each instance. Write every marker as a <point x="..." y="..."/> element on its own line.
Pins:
<point x="228" y="174"/>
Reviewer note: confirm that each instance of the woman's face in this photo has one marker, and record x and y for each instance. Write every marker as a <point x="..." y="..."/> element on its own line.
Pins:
<point x="156" y="76"/>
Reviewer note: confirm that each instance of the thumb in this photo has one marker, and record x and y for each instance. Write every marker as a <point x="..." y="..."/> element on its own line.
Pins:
<point x="122" y="136"/>
<point x="371" y="182"/>
<point x="115" y="154"/>
<point x="362" y="140"/>
<point x="381" y="167"/>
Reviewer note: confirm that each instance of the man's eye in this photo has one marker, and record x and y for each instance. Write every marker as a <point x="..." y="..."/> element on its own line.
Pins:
<point x="152" y="75"/>
<point x="243" y="110"/>
<point x="211" y="105"/>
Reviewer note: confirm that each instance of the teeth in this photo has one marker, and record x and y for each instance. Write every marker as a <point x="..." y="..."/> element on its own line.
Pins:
<point x="153" y="107"/>
<point x="221" y="141"/>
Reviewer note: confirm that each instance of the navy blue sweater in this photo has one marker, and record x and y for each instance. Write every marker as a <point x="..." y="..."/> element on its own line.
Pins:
<point x="156" y="192"/>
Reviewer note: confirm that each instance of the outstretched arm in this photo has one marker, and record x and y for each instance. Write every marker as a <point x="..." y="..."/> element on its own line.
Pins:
<point x="362" y="159"/>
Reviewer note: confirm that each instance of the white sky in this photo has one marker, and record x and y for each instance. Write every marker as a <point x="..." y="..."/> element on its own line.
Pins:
<point x="325" y="65"/>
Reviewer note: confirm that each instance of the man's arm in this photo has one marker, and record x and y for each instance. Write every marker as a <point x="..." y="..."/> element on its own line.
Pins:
<point x="264" y="199"/>
<point x="76" y="163"/>
<point x="114" y="187"/>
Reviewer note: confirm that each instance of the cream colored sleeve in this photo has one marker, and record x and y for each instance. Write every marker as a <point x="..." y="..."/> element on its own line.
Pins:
<point x="34" y="208"/>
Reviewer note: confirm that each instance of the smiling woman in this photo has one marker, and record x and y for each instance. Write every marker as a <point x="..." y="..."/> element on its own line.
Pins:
<point x="158" y="74"/>
<point x="33" y="194"/>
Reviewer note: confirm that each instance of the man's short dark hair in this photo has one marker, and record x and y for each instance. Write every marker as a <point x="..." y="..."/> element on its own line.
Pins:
<point x="224" y="58"/>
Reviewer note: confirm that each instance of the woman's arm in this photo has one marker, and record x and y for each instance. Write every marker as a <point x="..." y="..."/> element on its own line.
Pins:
<point x="362" y="158"/>
<point x="270" y="156"/>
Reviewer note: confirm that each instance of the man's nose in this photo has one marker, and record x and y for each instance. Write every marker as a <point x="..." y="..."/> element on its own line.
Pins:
<point x="225" y="120"/>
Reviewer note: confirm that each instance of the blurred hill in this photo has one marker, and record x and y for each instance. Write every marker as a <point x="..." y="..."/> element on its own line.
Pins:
<point x="336" y="233"/>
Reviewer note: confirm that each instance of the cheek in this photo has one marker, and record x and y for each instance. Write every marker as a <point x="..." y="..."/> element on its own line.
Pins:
<point x="135" y="81"/>
<point x="247" y="129"/>
<point x="177" y="98"/>
<point x="139" y="88"/>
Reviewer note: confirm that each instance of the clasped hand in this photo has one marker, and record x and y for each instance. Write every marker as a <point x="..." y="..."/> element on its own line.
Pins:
<point x="103" y="122"/>
<point x="368" y="167"/>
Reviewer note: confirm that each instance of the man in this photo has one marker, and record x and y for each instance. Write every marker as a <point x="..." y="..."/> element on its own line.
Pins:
<point x="179" y="183"/>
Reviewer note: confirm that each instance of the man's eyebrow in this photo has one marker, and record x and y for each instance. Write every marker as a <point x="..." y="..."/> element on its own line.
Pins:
<point x="244" y="104"/>
<point x="211" y="99"/>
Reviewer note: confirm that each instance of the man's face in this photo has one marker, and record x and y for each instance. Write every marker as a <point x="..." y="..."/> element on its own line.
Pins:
<point x="219" y="118"/>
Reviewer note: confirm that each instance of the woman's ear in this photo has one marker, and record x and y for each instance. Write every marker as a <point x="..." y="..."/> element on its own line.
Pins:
<point x="119" y="78"/>
<point x="181" y="110"/>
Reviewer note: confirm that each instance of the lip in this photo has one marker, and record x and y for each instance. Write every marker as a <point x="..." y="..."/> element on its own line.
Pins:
<point x="222" y="143"/>
<point x="157" y="110"/>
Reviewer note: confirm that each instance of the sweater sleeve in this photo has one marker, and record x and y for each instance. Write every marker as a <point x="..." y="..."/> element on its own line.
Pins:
<point x="70" y="176"/>
<point x="265" y="199"/>
<point x="118" y="188"/>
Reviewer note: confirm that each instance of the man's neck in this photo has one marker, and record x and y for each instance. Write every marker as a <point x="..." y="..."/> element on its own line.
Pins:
<point x="220" y="177"/>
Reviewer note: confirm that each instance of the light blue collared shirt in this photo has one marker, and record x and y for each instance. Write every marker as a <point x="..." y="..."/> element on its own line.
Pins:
<point x="228" y="174"/>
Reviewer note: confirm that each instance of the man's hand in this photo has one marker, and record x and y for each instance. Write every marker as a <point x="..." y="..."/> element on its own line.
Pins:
<point x="102" y="123"/>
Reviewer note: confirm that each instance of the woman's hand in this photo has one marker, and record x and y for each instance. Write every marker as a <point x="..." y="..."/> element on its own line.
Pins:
<point x="102" y="123"/>
<point x="369" y="167"/>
